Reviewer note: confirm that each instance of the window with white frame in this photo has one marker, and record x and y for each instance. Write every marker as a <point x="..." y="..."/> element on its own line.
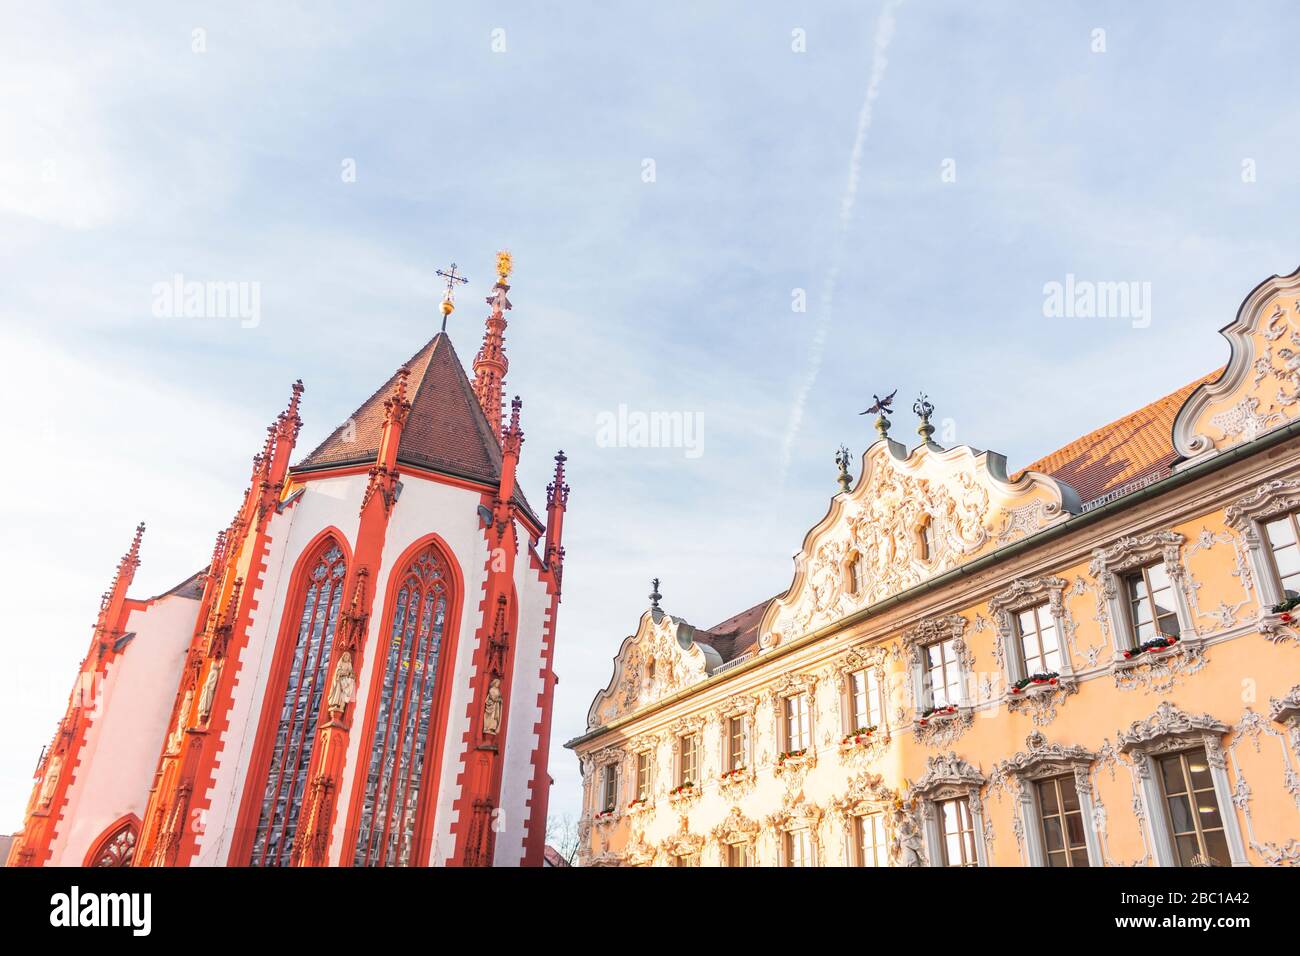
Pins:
<point x="798" y="847"/>
<point x="688" y="768"/>
<point x="1040" y="647"/>
<point x="1152" y="612"/>
<point x="871" y="843"/>
<point x="737" y="742"/>
<point x="957" y="830"/>
<point x="1060" y="814"/>
<point x="865" y="700"/>
<point x="943" y="675"/>
<point x="1282" y="537"/>
<point x="643" y="766"/>
<point x="608" y="787"/>
<point x="1195" y="819"/>
<point x="1185" y="788"/>
<point x="798" y="730"/>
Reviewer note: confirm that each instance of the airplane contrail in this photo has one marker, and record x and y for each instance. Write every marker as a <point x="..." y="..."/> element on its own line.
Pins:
<point x="883" y="35"/>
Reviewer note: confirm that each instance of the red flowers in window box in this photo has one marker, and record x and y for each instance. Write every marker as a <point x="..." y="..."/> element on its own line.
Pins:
<point x="1155" y="644"/>
<point x="858" y="736"/>
<point x="937" y="712"/>
<point x="605" y="814"/>
<point x="687" y="787"/>
<point x="731" y="774"/>
<point x="1048" y="677"/>
<point x="789" y="755"/>
<point x="638" y="802"/>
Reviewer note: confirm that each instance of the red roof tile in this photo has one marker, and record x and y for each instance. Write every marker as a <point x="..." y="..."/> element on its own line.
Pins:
<point x="446" y="430"/>
<point x="1137" y="447"/>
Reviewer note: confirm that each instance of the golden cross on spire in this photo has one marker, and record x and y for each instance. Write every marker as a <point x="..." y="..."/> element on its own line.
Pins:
<point x="449" y="297"/>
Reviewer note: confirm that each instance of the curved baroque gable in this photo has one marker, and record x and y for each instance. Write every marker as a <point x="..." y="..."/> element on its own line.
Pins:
<point x="667" y="642"/>
<point x="1260" y="388"/>
<point x="957" y="503"/>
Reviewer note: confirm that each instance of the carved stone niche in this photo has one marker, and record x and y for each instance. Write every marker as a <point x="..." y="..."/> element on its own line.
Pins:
<point x="943" y="727"/>
<point x="1170" y="730"/>
<point x="948" y="777"/>
<point x="1040" y="761"/>
<point x="1247" y="516"/>
<point x="1110" y="564"/>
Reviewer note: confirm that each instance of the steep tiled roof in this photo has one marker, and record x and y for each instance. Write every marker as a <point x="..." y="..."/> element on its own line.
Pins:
<point x="737" y="634"/>
<point x="446" y="430"/>
<point x="1128" y="451"/>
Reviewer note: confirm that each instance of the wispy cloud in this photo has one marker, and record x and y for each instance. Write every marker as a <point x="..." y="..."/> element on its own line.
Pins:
<point x="884" y="33"/>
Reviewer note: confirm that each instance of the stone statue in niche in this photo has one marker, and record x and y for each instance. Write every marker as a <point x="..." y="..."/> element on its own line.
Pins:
<point x="343" y="689"/>
<point x="182" y="715"/>
<point x="909" y="842"/>
<point x="492" y="707"/>
<point x="51" y="779"/>
<point x="209" y="692"/>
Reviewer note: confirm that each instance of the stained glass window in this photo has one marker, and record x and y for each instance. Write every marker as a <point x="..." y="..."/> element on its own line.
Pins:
<point x="395" y="773"/>
<point x="119" y="848"/>
<point x="286" y="781"/>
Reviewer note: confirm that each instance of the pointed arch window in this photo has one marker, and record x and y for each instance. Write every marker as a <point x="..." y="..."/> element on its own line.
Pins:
<point x="390" y="809"/>
<point x="118" y="848"/>
<point x="286" y="781"/>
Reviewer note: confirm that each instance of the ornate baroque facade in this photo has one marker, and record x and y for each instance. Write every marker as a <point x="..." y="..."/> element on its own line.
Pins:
<point x="361" y="676"/>
<point x="1092" y="662"/>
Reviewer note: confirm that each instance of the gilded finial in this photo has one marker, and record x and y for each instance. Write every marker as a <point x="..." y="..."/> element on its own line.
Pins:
<point x="923" y="410"/>
<point x="505" y="263"/>
<point x="449" y="296"/>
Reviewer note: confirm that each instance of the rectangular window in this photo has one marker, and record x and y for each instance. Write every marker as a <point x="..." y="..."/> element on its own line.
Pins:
<point x="1150" y="604"/>
<point x="872" y="846"/>
<point x="1058" y="803"/>
<point x="1282" y="537"/>
<point x="736" y="743"/>
<point x="643" y="775"/>
<point x="609" y="786"/>
<point x="798" y="848"/>
<point x="943" y="673"/>
<point x="796" y="723"/>
<point x="690" y="760"/>
<point x="865" y="702"/>
<point x="926" y="541"/>
<point x="740" y="854"/>
<point x="1194" y="817"/>
<point x="855" y="575"/>
<point x="1039" y="648"/>
<point x="958" y="833"/>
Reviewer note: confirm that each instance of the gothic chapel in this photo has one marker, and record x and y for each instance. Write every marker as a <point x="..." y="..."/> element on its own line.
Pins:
<point x="362" y="676"/>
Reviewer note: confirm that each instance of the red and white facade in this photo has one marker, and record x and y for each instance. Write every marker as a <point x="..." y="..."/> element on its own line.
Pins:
<point x="361" y="676"/>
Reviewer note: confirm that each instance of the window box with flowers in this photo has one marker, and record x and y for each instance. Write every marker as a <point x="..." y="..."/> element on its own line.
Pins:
<point x="1282" y="621"/>
<point x="863" y="739"/>
<point x="938" y="715"/>
<point x="638" y="806"/>
<point x="735" y="779"/>
<point x="1157" y="648"/>
<point x="793" y="761"/>
<point x="1035" y="685"/>
<point x="687" y="792"/>
<point x="605" y="816"/>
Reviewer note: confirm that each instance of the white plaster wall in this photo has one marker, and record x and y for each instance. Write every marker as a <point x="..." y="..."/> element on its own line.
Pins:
<point x="323" y="503"/>
<point x="424" y="507"/>
<point x="521" y="733"/>
<point x="125" y="737"/>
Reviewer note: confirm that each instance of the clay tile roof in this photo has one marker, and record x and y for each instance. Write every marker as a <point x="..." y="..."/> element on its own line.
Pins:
<point x="737" y="634"/>
<point x="446" y="430"/>
<point x="1137" y="447"/>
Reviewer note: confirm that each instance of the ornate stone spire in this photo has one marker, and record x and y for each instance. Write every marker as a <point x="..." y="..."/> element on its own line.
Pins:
<point x="924" y="410"/>
<point x="842" y="461"/>
<point x="490" y="364"/>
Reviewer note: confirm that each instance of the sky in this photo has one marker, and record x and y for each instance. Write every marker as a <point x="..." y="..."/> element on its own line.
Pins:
<point x="755" y="215"/>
